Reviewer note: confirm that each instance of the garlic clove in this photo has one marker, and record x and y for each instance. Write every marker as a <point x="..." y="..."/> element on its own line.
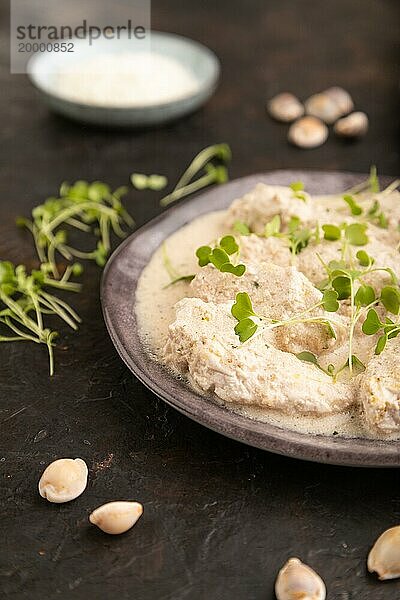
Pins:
<point x="116" y="517"/>
<point x="285" y="107"/>
<point x="354" y="125"/>
<point x="342" y="99"/>
<point x="384" y="557"/>
<point x="63" y="480"/>
<point x="308" y="132"/>
<point x="323" y="107"/>
<point x="297" y="581"/>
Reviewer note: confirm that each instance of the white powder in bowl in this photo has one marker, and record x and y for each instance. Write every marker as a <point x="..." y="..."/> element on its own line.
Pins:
<point x="126" y="80"/>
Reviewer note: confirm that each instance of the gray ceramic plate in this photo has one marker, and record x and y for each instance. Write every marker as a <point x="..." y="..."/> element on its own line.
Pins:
<point x="118" y="297"/>
<point x="199" y="60"/>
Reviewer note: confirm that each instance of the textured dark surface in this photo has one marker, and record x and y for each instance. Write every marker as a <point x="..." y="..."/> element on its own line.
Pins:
<point x="220" y="518"/>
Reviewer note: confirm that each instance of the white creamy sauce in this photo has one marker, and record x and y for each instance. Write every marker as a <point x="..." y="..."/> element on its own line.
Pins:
<point x="154" y="300"/>
<point x="155" y="311"/>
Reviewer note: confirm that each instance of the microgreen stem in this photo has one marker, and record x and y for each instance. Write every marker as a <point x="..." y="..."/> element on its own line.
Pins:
<point x="105" y="235"/>
<point x="172" y="272"/>
<point x="63" y="284"/>
<point x="15" y="308"/>
<point x="199" y="184"/>
<point x="392" y="187"/>
<point x="4" y="338"/>
<point x="39" y="249"/>
<point x="272" y="323"/>
<point x="22" y="334"/>
<point x="221" y="151"/>
<point x="80" y="254"/>
<point x="116" y="228"/>
<point x="76" y="210"/>
<point x="78" y="224"/>
<point x="352" y="325"/>
<point x="58" y="309"/>
<point x="49" y="343"/>
<point x="37" y="310"/>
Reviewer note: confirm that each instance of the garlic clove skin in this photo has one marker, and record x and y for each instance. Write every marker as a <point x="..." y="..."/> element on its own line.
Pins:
<point x="116" y="517"/>
<point x="308" y="132"/>
<point x="63" y="480"/>
<point x="342" y="99"/>
<point x="384" y="557"/>
<point x="297" y="581"/>
<point x="285" y="107"/>
<point x="354" y="125"/>
<point x="323" y="107"/>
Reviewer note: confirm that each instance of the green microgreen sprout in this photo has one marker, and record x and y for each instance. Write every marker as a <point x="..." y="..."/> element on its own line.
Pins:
<point x="297" y="237"/>
<point x="273" y="227"/>
<point x="347" y="280"/>
<point x="357" y="365"/>
<point x="88" y="207"/>
<point x="309" y="357"/>
<point x="349" y="235"/>
<point x="298" y="190"/>
<point x="148" y="182"/>
<point x="249" y="321"/>
<point x="342" y="280"/>
<point x="373" y="180"/>
<point x="220" y="152"/>
<point x="241" y="228"/>
<point x="371" y="184"/>
<point x="213" y="173"/>
<point x="390" y="298"/>
<point x="364" y="259"/>
<point x="359" y="197"/>
<point x="242" y="310"/>
<point x="353" y="233"/>
<point x="355" y="208"/>
<point x="174" y="276"/>
<point x="220" y="255"/>
<point x="377" y="216"/>
<point x="25" y="300"/>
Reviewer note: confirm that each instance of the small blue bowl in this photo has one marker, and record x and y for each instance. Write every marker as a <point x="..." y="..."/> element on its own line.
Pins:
<point x="202" y="63"/>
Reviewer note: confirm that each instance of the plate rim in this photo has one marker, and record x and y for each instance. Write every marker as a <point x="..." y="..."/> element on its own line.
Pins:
<point x="316" y="448"/>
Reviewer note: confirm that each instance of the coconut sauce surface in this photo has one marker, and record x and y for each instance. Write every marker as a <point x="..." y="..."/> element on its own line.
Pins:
<point x="154" y="307"/>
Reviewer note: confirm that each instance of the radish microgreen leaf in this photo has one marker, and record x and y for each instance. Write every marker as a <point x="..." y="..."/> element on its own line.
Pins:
<point x="354" y="207"/>
<point x="220" y="256"/>
<point x="241" y="228"/>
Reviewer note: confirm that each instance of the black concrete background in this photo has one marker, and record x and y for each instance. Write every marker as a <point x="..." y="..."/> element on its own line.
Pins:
<point x="220" y="518"/>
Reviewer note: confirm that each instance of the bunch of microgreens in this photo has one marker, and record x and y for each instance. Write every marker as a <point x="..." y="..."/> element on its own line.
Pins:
<point x="348" y="281"/>
<point x="363" y="202"/>
<point x="89" y="207"/>
<point x="210" y="163"/>
<point x="211" y="173"/>
<point x="94" y="209"/>
<point x="24" y="300"/>
<point x="219" y="256"/>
